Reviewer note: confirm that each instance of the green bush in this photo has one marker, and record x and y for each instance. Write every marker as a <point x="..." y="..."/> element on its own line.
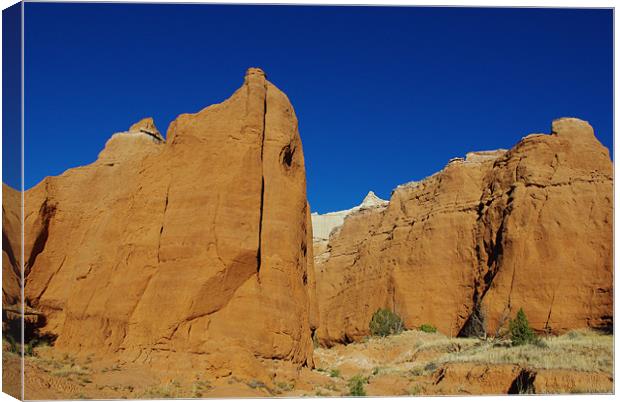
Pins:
<point x="13" y="347"/>
<point x="356" y="385"/>
<point x="385" y="322"/>
<point x="432" y="366"/>
<point x="520" y="331"/>
<point x="29" y="349"/>
<point x="428" y="328"/>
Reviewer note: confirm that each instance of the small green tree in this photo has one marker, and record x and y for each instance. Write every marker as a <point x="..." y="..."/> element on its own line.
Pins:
<point x="520" y="331"/>
<point x="384" y="322"/>
<point x="356" y="385"/>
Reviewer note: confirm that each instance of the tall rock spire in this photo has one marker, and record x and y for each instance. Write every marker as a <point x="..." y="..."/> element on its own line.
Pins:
<point x="191" y="247"/>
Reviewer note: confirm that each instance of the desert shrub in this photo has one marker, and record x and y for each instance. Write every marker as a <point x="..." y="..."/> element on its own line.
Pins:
<point x="16" y="347"/>
<point x="415" y="390"/>
<point x="285" y="386"/>
<point x="385" y="322"/>
<point x="198" y="388"/>
<point x="356" y="385"/>
<point x="29" y="347"/>
<point x="432" y="366"/>
<point x="520" y="331"/>
<point x="12" y="346"/>
<point x="428" y="328"/>
<point x="334" y="373"/>
<point x="256" y="384"/>
<point x="163" y="392"/>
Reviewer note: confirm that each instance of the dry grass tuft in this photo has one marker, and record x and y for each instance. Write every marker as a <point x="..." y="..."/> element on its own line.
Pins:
<point x="170" y="390"/>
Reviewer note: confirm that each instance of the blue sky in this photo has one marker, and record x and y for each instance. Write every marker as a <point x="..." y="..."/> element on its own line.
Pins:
<point x="383" y="95"/>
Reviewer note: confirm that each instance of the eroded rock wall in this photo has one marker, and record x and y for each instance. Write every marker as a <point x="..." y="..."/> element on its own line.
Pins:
<point x="530" y="227"/>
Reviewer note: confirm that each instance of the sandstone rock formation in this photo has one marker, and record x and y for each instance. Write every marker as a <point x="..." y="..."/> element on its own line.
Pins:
<point x="11" y="247"/>
<point x="197" y="244"/>
<point x="323" y="225"/>
<point x="468" y="246"/>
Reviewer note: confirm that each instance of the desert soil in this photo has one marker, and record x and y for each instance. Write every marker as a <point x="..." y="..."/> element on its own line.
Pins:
<point x="411" y="363"/>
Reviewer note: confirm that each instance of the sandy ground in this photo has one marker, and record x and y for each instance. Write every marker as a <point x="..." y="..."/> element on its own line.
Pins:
<point x="411" y="363"/>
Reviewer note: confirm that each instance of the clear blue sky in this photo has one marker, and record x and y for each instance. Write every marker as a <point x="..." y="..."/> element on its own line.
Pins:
<point x="383" y="95"/>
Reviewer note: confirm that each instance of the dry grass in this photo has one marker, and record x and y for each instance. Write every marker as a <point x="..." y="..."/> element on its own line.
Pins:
<point x="434" y="344"/>
<point x="447" y="345"/>
<point x="170" y="390"/>
<point x="581" y="350"/>
<point x="199" y="388"/>
<point x="67" y="367"/>
<point x="284" y="387"/>
<point x="590" y="390"/>
<point x="174" y="389"/>
<point x="423" y="353"/>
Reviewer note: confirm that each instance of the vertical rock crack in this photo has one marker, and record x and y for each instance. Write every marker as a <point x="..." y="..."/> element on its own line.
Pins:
<point x="262" y="188"/>
<point x="163" y="218"/>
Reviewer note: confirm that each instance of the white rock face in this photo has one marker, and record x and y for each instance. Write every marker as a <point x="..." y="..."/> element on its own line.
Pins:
<point x="483" y="156"/>
<point x="129" y="145"/>
<point x="323" y="225"/>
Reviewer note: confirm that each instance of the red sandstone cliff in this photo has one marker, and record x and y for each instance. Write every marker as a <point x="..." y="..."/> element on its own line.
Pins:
<point x="197" y="244"/>
<point x="530" y="227"/>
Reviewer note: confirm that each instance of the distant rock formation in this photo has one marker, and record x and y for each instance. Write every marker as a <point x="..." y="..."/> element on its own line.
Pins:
<point x="465" y="248"/>
<point x="324" y="224"/>
<point x="197" y="244"/>
<point x="147" y="126"/>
